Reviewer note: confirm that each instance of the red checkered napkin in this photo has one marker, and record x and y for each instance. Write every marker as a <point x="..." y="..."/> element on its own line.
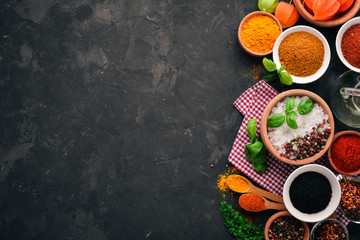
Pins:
<point x="252" y="104"/>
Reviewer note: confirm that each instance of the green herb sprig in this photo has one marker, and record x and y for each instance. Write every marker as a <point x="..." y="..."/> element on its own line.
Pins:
<point x="238" y="225"/>
<point x="285" y="78"/>
<point x="255" y="151"/>
<point x="304" y="107"/>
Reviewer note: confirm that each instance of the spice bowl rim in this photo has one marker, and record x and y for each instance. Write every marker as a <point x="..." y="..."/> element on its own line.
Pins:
<point x="336" y="136"/>
<point x="267" y="111"/>
<point x="338" y="40"/>
<point x="312" y="232"/>
<point x="332" y="22"/>
<point x="341" y="177"/>
<point x="316" y="33"/>
<point x="281" y="214"/>
<point x="246" y="49"/>
<point x="334" y="201"/>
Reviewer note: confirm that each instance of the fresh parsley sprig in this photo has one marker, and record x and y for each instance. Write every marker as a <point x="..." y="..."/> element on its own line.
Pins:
<point x="238" y="225"/>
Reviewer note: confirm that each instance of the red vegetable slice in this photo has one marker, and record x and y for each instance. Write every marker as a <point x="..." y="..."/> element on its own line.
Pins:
<point x="325" y="9"/>
<point x="344" y="5"/>
<point x="286" y="14"/>
<point x="308" y="4"/>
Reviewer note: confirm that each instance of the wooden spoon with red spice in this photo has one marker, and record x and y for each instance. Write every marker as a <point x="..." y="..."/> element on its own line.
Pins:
<point x="240" y="184"/>
<point x="256" y="203"/>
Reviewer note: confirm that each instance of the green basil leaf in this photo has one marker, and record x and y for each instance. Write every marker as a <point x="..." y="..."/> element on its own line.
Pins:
<point x="251" y="129"/>
<point x="287" y="112"/>
<point x="290" y="104"/>
<point x="270" y="77"/>
<point x="276" y="120"/>
<point x="248" y="155"/>
<point x="281" y="69"/>
<point x="260" y="168"/>
<point x="255" y="148"/>
<point x="305" y="106"/>
<point x="269" y="65"/>
<point x="259" y="159"/>
<point x="285" y="78"/>
<point x="292" y="114"/>
<point x="291" y="122"/>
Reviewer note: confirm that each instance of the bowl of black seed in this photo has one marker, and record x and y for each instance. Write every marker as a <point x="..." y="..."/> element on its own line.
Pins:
<point x="329" y="229"/>
<point x="311" y="193"/>
<point x="282" y="225"/>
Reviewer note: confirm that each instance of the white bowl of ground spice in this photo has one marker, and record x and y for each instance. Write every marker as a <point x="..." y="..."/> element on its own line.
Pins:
<point x="348" y="44"/>
<point x="258" y="32"/>
<point x="304" y="52"/>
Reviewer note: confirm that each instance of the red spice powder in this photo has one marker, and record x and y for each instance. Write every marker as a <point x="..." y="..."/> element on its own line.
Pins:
<point x="345" y="153"/>
<point x="350" y="45"/>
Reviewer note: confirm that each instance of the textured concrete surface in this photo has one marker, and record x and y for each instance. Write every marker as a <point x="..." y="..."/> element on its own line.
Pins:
<point x="112" y="113"/>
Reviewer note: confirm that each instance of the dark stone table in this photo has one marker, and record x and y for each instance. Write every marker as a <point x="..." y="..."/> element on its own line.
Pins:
<point x="113" y="113"/>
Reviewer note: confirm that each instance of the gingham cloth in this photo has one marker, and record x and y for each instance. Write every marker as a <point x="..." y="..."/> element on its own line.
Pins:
<point x="252" y="104"/>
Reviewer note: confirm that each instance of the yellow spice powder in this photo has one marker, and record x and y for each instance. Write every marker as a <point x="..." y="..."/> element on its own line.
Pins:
<point x="259" y="33"/>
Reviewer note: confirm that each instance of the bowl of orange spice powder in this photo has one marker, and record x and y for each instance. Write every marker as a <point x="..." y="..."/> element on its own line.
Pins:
<point x="344" y="153"/>
<point x="258" y="32"/>
<point x="304" y="52"/>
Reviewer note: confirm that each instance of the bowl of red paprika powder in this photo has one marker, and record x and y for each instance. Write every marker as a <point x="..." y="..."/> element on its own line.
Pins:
<point x="348" y="44"/>
<point x="344" y="153"/>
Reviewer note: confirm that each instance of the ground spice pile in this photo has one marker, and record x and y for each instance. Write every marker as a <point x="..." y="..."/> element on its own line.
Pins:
<point x="221" y="181"/>
<point x="301" y="53"/>
<point x="350" y="45"/>
<point x="345" y="153"/>
<point x="259" y="33"/>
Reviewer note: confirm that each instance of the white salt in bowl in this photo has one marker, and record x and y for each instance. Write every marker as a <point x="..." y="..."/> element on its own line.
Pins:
<point x="327" y="53"/>
<point x="334" y="201"/>
<point x="264" y="129"/>
<point x="339" y="37"/>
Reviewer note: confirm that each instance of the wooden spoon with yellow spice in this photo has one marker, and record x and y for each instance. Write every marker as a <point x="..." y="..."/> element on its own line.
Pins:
<point x="240" y="184"/>
<point x="256" y="203"/>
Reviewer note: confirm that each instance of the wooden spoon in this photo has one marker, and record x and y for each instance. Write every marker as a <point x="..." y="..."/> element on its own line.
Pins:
<point x="266" y="203"/>
<point x="233" y="183"/>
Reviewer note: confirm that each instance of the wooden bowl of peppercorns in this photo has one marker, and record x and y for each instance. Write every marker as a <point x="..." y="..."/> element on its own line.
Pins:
<point x="288" y="226"/>
<point x="344" y="153"/>
<point x="312" y="144"/>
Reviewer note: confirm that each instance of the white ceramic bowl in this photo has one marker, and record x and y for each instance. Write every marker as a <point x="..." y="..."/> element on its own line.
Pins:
<point x="339" y="37"/>
<point x="334" y="201"/>
<point x="325" y="64"/>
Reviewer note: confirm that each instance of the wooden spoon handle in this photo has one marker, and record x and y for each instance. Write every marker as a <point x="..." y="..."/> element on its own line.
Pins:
<point x="272" y="205"/>
<point x="267" y="194"/>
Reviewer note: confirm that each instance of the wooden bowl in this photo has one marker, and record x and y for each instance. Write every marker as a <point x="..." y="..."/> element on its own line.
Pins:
<point x="281" y="214"/>
<point x="336" y="20"/>
<point x="267" y="111"/>
<point x="247" y="50"/>
<point x="337" y="135"/>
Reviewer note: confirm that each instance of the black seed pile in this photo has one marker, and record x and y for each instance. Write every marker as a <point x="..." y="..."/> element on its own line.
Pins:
<point x="310" y="192"/>
<point x="308" y="145"/>
<point x="286" y="227"/>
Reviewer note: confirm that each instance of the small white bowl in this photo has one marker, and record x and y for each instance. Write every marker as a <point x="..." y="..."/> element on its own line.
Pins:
<point x="334" y="201"/>
<point x="327" y="54"/>
<point x="339" y="37"/>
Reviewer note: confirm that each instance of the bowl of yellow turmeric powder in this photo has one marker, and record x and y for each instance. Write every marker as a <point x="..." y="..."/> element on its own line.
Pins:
<point x="258" y="32"/>
<point x="304" y="52"/>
